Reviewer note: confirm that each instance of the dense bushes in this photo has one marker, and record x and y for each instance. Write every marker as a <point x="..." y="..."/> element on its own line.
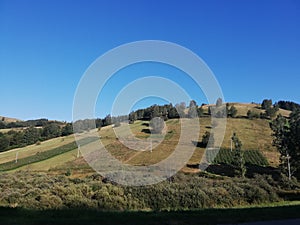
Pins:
<point x="41" y="191"/>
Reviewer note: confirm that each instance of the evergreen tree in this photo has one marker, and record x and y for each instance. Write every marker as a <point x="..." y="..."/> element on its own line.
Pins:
<point x="208" y="139"/>
<point x="238" y="160"/>
<point x="219" y="102"/>
<point x="192" y="112"/>
<point x="267" y="103"/>
<point x="287" y="142"/>
<point x="232" y="112"/>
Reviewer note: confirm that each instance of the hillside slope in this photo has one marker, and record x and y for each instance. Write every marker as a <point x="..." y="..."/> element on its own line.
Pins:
<point x="254" y="134"/>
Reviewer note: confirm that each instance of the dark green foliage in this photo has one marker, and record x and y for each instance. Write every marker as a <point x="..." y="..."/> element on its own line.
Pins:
<point x="288" y="105"/>
<point x="30" y="123"/>
<point x="232" y="112"/>
<point x="67" y="130"/>
<point x="200" y="111"/>
<point x="2" y="125"/>
<point x="207" y="139"/>
<point x="252" y="115"/>
<point x="132" y="117"/>
<point x="287" y="142"/>
<point x="32" y="135"/>
<point x="270" y="110"/>
<point x="226" y="156"/>
<point x="173" y="113"/>
<point x="4" y="142"/>
<point x="42" y="191"/>
<point x="238" y="159"/>
<point x="267" y="103"/>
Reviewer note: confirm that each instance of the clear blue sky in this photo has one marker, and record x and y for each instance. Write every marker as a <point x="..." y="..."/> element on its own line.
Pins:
<point x="253" y="47"/>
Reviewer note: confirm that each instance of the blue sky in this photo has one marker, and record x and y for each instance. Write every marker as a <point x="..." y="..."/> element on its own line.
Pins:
<point x="253" y="48"/>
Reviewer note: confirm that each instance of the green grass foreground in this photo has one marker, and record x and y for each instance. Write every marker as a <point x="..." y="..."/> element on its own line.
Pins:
<point x="18" y="216"/>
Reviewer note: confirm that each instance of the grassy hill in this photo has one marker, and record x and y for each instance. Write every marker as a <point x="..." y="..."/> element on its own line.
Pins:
<point x="255" y="135"/>
<point x="8" y="119"/>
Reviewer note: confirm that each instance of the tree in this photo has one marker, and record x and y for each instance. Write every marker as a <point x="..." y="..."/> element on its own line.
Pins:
<point x="4" y="142"/>
<point x="232" y="112"/>
<point x="51" y="130"/>
<point x="173" y="113"/>
<point x="154" y="112"/>
<point x="200" y="111"/>
<point x="207" y="139"/>
<point x="98" y="123"/>
<point x="219" y="102"/>
<point x="132" y="117"/>
<point x="267" y="103"/>
<point x="157" y="125"/>
<point x="271" y="112"/>
<point x="180" y="109"/>
<point x="238" y="159"/>
<point x="286" y="134"/>
<point x="192" y="112"/>
<point x="67" y="130"/>
<point x="209" y="110"/>
<point x="2" y="125"/>
<point x="251" y="115"/>
<point x="107" y="120"/>
<point x="31" y="135"/>
<point x="292" y="106"/>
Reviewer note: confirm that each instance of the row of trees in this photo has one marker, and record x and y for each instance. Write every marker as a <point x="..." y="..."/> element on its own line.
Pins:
<point x="28" y="123"/>
<point x="288" y="105"/>
<point x="32" y="135"/>
<point x="269" y="108"/>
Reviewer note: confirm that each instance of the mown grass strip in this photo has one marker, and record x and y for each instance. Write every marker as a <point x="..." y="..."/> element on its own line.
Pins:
<point x="40" y="156"/>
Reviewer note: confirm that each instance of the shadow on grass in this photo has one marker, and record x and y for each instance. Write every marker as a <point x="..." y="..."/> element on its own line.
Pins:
<point x="198" y="144"/>
<point x="19" y="216"/>
<point x="147" y="131"/>
<point x="229" y="170"/>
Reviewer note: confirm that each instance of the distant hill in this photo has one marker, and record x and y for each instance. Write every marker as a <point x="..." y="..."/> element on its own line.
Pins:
<point x="8" y="119"/>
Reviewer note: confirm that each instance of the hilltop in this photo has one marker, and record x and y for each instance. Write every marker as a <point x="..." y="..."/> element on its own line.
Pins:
<point x="8" y="119"/>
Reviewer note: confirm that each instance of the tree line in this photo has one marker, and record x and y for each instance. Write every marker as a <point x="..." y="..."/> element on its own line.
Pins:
<point x="28" y="123"/>
<point x="33" y="135"/>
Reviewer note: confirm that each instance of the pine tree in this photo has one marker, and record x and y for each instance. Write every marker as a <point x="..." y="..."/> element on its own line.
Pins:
<point x="238" y="160"/>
